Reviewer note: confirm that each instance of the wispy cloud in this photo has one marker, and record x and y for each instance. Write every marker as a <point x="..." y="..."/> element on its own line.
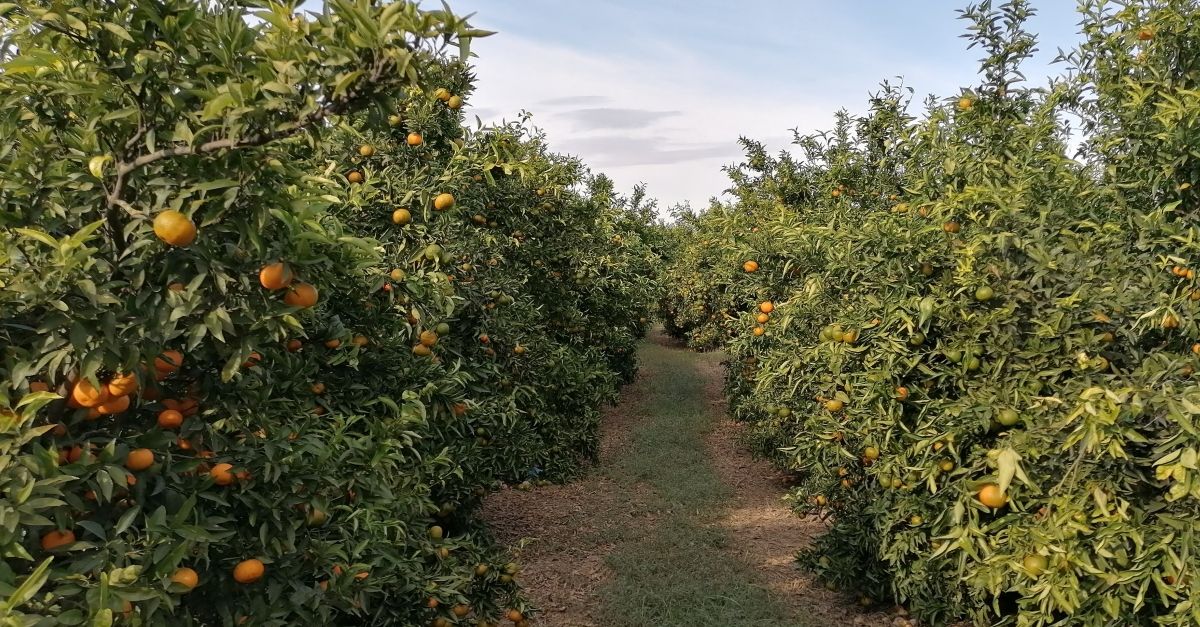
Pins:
<point x="570" y="101"/>
<point x="625" y="151"/>
<point x="648" y="94"/>
<point x="615" y="118"/>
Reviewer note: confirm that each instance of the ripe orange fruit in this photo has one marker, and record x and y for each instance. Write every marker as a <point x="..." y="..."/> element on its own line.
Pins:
<point x="174" y="228"/>
<point x="294" y="345"/>
<point x="766" y="307"/>
<point x="221" y="474"/>
<point x="249" y="571"/>
<point x="428" y="338"/>
<point x="441" y="93"/>
<point x="187" y="406"/>
<point x="763" y="318"/>
<point x="112" y="406"/>
<point x="38" y="386"/>
<point x="415" y="139"/>
<point x="84" y="394"/>
<point x="1145" y="34"/>
<point x="275" y="276"/>
<point x="991" y="496"/>
<point x="301" y="295"/>
<point x="965" y="104"/>
<point x="54" y="538"/>
<point x="455" y="102"/>
<point x="252" y="360"/>
<point x="421" y="350"/>
<point x="750" y="266"/>
<point x="835" y="193"/>
<point x="139" y="459"/>
<point x="332" y="344"/>
<point x="520" y="350"/>
<point x="759" y="331"/>
<point x="360" y="341"/>
<point x="354" y="176"/>
<point x="1170" y="321"/>
<point x="514" y="615"/>
<point x="443" y="201"/>
<point x="121" y="384"/>
<point x="168" y="361"/>
<point x="170" y="419"/>
<point x="950" y="227"/>
<point x="902" y="393"/>
<point x="366" y="150"/>
<point x="461" y="610"/>
<point x="186" y="577"/>
<point x="318" y="388"/>
<point x="401" y="216"/>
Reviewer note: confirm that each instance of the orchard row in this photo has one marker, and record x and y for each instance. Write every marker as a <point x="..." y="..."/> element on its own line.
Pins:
<point x="971" y="333"/>
<point x="275" y="321"/>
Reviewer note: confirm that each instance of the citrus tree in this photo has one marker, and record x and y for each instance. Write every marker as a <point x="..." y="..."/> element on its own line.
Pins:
<point x="261" y="360"/>
<point x="974" y="346"/>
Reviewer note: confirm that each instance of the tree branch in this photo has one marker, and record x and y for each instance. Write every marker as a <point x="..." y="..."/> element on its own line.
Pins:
<point x="332" y="108"/>
<point x="125" y="168"/>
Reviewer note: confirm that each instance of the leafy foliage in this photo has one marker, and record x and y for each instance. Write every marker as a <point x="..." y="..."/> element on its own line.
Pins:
<point x="976" y="351"/>
<point x="339" y="416"/>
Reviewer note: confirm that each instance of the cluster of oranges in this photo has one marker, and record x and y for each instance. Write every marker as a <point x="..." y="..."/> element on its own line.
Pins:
<point x="278" y="276"/>
<point x="765" y="308"/>
<point x="114" y="396"/>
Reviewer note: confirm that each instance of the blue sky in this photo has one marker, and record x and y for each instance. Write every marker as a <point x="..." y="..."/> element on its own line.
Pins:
<point x="660" y="91"/>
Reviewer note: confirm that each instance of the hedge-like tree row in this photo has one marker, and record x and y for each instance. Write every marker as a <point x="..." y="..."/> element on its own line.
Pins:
<point x="273" y="320"/>
<point x="975" y="345"/>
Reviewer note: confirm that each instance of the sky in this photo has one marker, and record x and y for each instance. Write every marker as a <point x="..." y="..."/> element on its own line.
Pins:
<point x="660" y="91"/>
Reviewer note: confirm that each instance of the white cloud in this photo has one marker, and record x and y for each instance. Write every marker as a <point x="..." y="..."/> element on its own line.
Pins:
<point x="672" y="124"/>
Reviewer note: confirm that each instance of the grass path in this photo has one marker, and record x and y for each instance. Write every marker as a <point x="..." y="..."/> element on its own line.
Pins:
<point x="675" y="527"/>
<point x="680" y="572"/>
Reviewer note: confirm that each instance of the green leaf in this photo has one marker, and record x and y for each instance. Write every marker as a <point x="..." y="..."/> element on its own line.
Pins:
<point x="117" y="30"/>
<point x="127" y="519"/>
<point x="28" y="587"/>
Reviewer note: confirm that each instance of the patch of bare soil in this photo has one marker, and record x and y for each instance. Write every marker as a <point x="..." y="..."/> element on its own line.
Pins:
<point x="561" y="534"/>
<point x="767" y="534"/>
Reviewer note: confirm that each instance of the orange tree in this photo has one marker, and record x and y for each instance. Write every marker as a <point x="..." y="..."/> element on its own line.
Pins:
<point x="977" y="352"/>
<point x="238" y="385"/>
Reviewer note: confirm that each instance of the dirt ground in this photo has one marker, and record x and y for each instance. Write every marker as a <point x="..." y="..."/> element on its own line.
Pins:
<point x="561" y="534"/>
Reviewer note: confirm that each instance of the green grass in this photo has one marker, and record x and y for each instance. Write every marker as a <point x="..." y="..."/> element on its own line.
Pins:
<point x="678" y="572"/>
